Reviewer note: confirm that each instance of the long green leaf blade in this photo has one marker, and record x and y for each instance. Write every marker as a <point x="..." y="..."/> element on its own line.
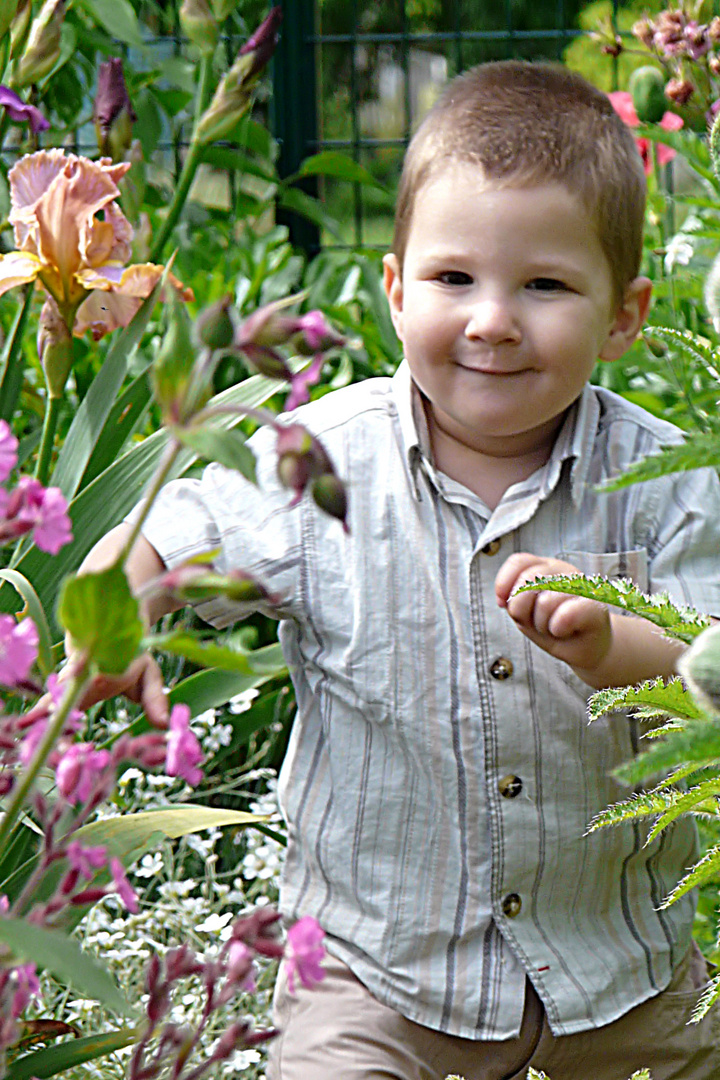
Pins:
<point x="69" y="1054"/>
<point x="62" y="955"/>
<point x="35" y="611"/>
<point x="654" y="698"/>
<point x="11" y="360"/>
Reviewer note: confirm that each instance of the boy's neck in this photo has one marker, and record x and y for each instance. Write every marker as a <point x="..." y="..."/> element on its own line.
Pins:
<point x="486" y="474"/>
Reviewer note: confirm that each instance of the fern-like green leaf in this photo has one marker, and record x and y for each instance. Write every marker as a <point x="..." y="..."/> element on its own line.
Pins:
<point x="686" y="802"/>
<point x="704" y="870"/>
<point x="701" y="449"/>
<point x="677" y="622"/>
<point x="642" y="805"/>
<point x="697" y="744"/>
<point x="652" y="699"/>
<point x="709" y="996"/>
<point x="698" y="349"/>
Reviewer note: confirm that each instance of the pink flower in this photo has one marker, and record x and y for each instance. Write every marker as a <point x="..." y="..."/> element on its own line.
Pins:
<point x="123" y="887"/>
<point x="183" y="749"/>
<point x="86" y="860"/>
<point x="42" y="510"/>
<point x="56" y="689"/>
<point x="303" y="953"/>
<point x="20" y="112"/>
<point x="27" y="986"/>
<point x="8" y="451"/>
<point x="4" y="904"/>
<point x="79" y="770"/>
<point x="18" y="649"/>
<point x="622" y="103"/>
<point x="240" y="965"/>
<point x="29" y="744"/>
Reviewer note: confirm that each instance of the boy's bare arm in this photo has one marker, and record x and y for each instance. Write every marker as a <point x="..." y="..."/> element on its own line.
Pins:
<point x="143" y="681"/>
<point x="603" y="648"/>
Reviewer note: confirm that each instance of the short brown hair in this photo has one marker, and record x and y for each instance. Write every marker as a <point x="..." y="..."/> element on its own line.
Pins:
<point x="533" y="123"/>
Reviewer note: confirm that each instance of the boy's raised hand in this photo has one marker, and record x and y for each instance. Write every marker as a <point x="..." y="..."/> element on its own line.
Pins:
<point x="571" y="628"/>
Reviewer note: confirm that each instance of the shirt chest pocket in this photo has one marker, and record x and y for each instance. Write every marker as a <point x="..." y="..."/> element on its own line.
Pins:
<point x="631" y="565"/>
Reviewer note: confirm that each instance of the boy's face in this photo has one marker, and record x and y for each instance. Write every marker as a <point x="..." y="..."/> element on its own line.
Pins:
<point x="504" y="303"/>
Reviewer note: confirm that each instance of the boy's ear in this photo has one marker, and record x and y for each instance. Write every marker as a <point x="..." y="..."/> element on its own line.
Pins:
<point x="392" y="280"/>
<point x="629" y="319"/>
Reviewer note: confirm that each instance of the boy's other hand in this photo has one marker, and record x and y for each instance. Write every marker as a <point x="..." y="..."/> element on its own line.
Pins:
<point x="571" y="628"/>
<point x="142" y="682"/>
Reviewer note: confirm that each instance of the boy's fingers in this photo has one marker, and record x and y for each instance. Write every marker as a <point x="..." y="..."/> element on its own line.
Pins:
<point x="509" y="574"/>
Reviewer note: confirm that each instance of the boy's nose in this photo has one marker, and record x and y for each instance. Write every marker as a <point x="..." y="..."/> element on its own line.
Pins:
<point x="492" y="320"/>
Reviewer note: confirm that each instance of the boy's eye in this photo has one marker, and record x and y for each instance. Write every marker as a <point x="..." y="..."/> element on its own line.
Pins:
<point x="544" y="284"/>
<point x="454" y="277"/>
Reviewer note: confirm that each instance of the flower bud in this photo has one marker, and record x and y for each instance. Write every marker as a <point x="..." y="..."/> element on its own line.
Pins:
<point x="215" y="327"/>
<point x="679" y="91"/>
<point x="199" y="25"/>
<point x="176" y="373"/>
<point x="232" y="97"/>
<point x="19" y="27"/>
<point x="314" y="334"/>
<point x="647" y="89"/>
<point x="43" y="46"/>
<point x="55" y="348"/>
<point x="113" y="112"/>
<point x="329" y="493"/>
<point x="713" y="30"/>
<point x="301" y="458"/>
<point x="8" y="11"/>
<point x="644" y="31"/>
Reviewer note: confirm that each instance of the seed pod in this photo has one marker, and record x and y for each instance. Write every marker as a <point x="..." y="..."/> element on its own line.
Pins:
<point x="647" y="89"/>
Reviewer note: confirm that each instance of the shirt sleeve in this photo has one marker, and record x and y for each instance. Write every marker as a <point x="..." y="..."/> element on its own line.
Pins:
<point x="685" y="555"/>
<point x="256" y="528"/>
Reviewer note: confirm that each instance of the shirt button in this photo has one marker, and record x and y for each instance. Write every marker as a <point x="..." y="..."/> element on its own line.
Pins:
<point x="501" y="668"/>
<point x="491" y="548"/>
<point x="510" y="786"/>
<point x="511" y="905"/>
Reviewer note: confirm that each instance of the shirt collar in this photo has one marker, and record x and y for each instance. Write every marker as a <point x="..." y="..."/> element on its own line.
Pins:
<point x="574" y="442"/>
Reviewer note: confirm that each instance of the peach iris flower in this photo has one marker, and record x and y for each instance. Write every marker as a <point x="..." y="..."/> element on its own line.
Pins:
<point x="73" y="238"/>
<point x="622" y="103"/>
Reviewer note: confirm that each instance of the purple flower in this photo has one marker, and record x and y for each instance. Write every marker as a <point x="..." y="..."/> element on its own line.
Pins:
<point x="240" y="965"/>
<point x="8" y="451"/>
<point x="18" y="649"/>
<point x="43" y="510"/>
<point x="27" y="985"/>
<point x="183" y="749"/>
<point x="18" y="111"/>
<point x="123" y="887"/>
<point x="79" y="770"/>
<point x="303" y="953"/>
<point x="86" y="860"/>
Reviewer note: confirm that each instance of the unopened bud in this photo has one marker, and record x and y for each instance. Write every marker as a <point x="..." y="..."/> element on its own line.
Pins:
<point x="113" y="112"/>
<point x="55" y="348"/>
<point x="19" y="27"/>
<point x="647" y="89"/>
<point x="329" y="493"/>
<point x="314" y="334"/>
<point x="43" y="46"/>
<point x="181" y="383"/>
<point x="214" y="326"/>
<point x="301" y="458"/>
<point x="8" y="11"/>
<point x="679" y="91"/>
<point x="88" y="896"/>
<point x="199" y="25"/>
<point x="713" y="30"/>
<point x="644" y="31"/>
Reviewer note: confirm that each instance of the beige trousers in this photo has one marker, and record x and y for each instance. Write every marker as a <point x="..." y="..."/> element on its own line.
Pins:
<point x="338" y="1031"/>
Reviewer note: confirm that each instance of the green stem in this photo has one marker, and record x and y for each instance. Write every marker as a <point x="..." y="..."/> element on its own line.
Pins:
<point x="166" y="463"/>
<point x="74" y="688"/>
<point x="52" y="414"/>
<point x="190" y="166"/>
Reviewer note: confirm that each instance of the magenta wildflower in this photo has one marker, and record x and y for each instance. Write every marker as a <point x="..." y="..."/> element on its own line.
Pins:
<point x="8" y="451"/>
<point x="27" y="986"/>
<point x="303" y="953"/>
<point x="56" y="690"/>
<point x="183" y="749"/>
<point x="240" y="965"/>
<point x="79" y="770"/>
<point x="86" y="860"/>
<point x="123" y="887"/>
<point x="4" y="904"/>
<point x="20" y="112"/>
<point x="31" y="507"/>
<point x="18" y="649"/>
<point x="29" y="744"/>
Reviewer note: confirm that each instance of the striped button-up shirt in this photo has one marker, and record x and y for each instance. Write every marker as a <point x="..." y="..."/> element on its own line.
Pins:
<point x="441" y="771"/>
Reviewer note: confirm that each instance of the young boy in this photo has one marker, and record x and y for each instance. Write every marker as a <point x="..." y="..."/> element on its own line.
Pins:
<point x="441" y="772"/>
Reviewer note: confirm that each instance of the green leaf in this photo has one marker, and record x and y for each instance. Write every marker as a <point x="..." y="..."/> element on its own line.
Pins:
<point x="686" y="142"/>
<point x="118" y="18"/>
<point x="337" y="164"/>
<point x="12" y="361"/>
<point x="709" y="996"/>
<point x="69" y="1054"/>
<point x="125" y="414"/>
<point x="705" y="869"/>
<point x="646" y="804"/>
<point x="97" y="405"/>
<point x="33" y="608"/>
<point x="685" y="802"/>
<point x="654" y="698"/>
<point x="213" y="687"/>
<point x="678" y="622"/>
<point x="62" y="955"/>
<point x="127" y="833"/>
<point x="700" y="667"/>
<point x="701" y="450"/>
<point x="102" y="617"/>
<point x="206" y="654"/>
<point x="698" y="349"/>
<point x="227" y="447"/>
<point x="310" y="208"/>
<point x="697" y="743"/>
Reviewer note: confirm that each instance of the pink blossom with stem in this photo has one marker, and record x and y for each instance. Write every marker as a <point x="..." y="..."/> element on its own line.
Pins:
<point x="8" y="451"/>
<point x="183" y="749"/>
<point x="123" y="887"/>
<point x="18" y="649"/>
<point x="42" y="511"/>
<point x="27" y="986"/>
<point x="304" y="952"/>
<point x="86" y="860"/>
<point x="78" y="771"/>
